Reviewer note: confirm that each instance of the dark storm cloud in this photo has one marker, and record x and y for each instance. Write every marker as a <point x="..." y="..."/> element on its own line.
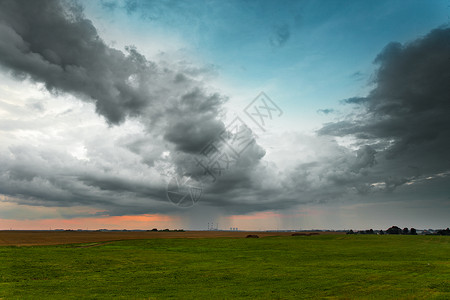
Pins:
<point x="197" y="122"/>
<point x="53" y="43"/>
<point x="334" y="173"/>
<point x="58" y="46"/>
<point x="402" y="137"/>
<point x="406" y="115"/>
<point x="61" y="48"/>
<point x="402" y="128"/>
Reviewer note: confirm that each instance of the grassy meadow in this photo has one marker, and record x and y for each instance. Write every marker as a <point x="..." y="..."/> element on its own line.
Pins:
<point x="323" y="266"/>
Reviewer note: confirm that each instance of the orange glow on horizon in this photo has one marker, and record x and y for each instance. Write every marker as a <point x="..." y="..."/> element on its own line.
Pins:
<point x="147" y="221"/>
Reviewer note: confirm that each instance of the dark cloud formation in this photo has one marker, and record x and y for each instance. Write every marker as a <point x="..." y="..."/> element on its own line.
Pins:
<point x="405" y="116"/>
<point x="400" y="136"/>
<point x="189" y="132"/>
<point x="57" y="45"/>
<point x="401" y="130"/>
<point x="51" y="42"/>
<point x="333" y="172"/>
<point x="72" y="59"/>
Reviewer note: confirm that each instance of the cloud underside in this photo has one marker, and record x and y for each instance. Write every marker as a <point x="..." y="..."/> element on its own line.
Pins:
<point x="58" y="46"/>
<point x="405" y="117"/>
<point x="401" y="131"/>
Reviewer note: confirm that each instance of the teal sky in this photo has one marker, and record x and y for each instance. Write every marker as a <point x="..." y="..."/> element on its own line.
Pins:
<point x="307" y="55"/>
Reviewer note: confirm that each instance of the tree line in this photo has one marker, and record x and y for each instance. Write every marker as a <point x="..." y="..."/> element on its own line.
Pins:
<point x="397" y="230"/>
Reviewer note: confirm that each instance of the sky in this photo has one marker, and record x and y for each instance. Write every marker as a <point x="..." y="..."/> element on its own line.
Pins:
<point x="260" y="115"/>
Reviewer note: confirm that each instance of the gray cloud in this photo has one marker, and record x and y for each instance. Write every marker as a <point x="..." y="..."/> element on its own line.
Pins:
<point x="48" y="177"/>
<point x="405" y="116"/>
<point x="54" y="44"/>
<point x="354" y="100"/>
<point x="402" y="141"/>
<point x="196" y="123"/>
<point x="401" y="130"/>
<point x="329" y="174"/>
<point x="74" y="59"/>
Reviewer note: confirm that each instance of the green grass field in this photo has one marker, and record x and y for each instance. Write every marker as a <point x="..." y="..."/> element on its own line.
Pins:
<point x="325" y="266"/>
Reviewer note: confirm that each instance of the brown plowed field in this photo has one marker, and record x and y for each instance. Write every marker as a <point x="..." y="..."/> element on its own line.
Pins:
<point x="32" y="238"/>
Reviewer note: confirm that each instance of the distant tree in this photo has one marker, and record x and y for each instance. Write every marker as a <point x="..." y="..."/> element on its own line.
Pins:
<point x="350" y="232"/>
<point x="370" y="231"/>
<point x="155" y="229"/>
<point x="405" y="230"/>
<point x="381" y="232"/>
<point x="444" y="232"/>
<point x="394" y="230"/>
<point x="413" y="231"/>
<point x="254" y="236"/>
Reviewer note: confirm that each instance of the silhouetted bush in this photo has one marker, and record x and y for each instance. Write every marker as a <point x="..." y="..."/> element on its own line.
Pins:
<point x="394" y="230"/>
<point x="444" y="232"/>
